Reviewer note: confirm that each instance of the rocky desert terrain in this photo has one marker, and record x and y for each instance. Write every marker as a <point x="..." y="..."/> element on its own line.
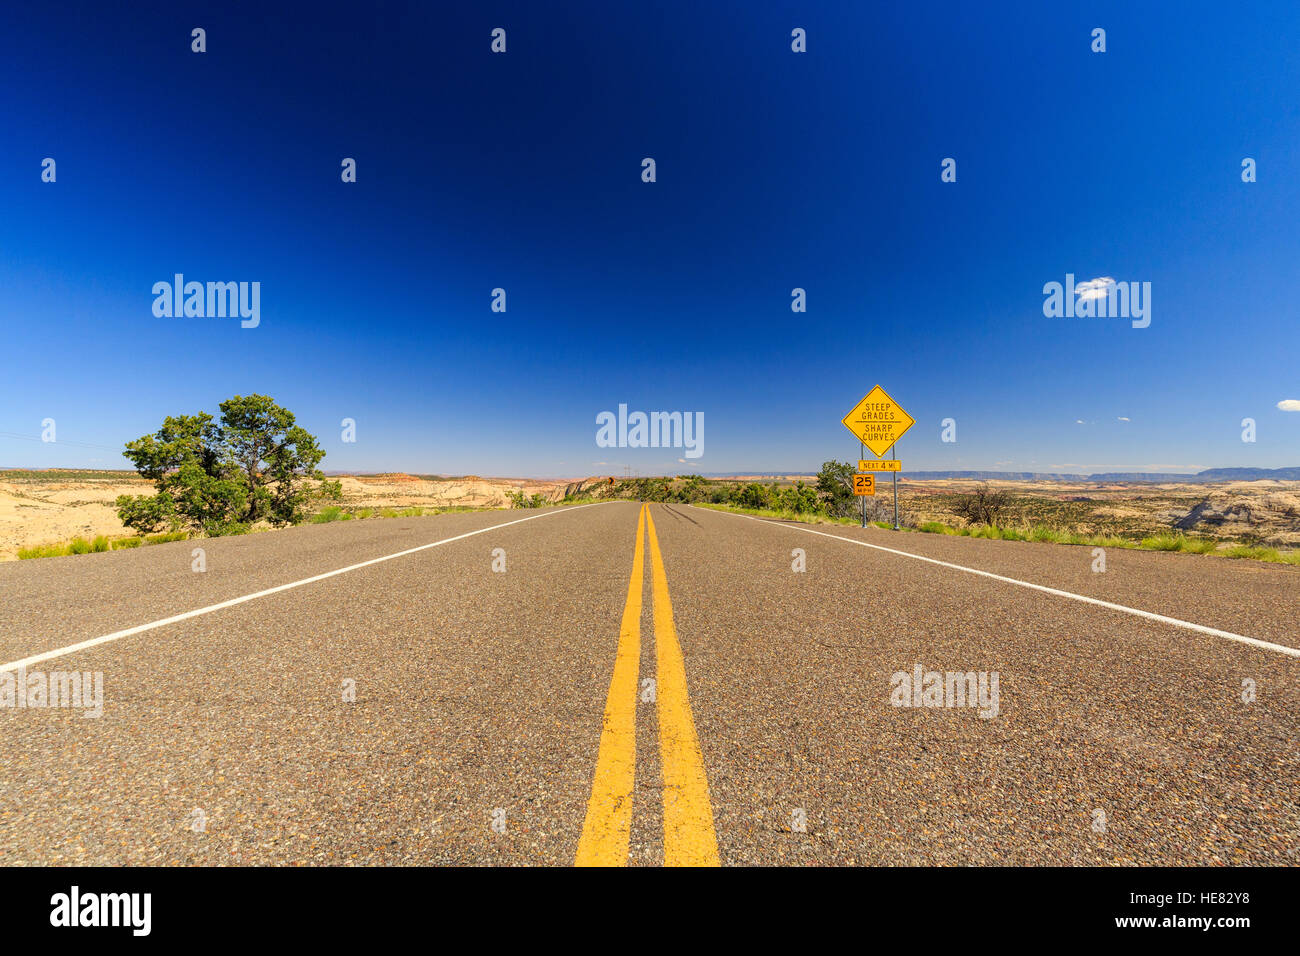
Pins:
<point x="1265" y="512"/>
<point x="48" y="507"/>
<point x="44" y="507"/>
<point x="1252" y="512"/>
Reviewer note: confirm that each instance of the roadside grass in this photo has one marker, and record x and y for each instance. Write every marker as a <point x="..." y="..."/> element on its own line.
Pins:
<point x="333" y="513"/>
<point x="43" y="551"/>
<point x="327" y="515"/>
<point x="165" y="537"/>
<point x="1162" y="542"/>
<point x="99" y="543"/>
<point x="1198" y="545"/>
<point x="77" y="545"/>
<point x="1257" y="552"/>
<point x="994" y="533"/>
<point x="337" y="513"/>
<point x="1185" y="544"/>
<point x="804" y="517"/>
<point x="1099" y="540"/>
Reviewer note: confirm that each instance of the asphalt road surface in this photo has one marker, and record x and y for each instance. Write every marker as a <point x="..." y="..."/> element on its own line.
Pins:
<point x="614" y="684"/>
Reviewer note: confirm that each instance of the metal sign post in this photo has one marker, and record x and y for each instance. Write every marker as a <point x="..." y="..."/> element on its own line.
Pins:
<point x="862" y="451"/>
<point x="877" y="421"/>
<point x="894" y="455"/>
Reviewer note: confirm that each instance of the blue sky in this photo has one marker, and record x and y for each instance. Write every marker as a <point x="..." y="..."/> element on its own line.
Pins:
<point x="775" y="170"/>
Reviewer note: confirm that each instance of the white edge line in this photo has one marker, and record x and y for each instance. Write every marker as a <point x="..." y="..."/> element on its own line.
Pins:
<point x="141" y="628"/>
<point x="1199" y="628"/>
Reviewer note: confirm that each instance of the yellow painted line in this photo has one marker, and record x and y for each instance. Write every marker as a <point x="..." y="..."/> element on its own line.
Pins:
<point x="689" y="837"/>
<point x="605" y="833"/>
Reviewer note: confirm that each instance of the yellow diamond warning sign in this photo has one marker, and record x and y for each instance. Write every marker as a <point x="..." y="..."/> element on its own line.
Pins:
<point x="878" y="421"/>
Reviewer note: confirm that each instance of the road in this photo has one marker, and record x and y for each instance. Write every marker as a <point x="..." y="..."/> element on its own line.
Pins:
<point x="649" y="686"/>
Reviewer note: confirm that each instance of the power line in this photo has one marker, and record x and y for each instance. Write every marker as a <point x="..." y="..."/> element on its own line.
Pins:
<point x="78" y="444"/>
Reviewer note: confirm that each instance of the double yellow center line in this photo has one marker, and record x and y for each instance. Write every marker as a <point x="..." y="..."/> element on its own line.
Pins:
<point x="689" y="837"/>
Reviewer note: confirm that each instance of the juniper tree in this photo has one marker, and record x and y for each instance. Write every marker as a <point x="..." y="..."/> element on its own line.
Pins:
<point x="219" y="477"/>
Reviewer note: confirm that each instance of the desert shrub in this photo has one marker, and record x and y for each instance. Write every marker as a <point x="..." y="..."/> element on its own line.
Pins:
<point x="753" y="495"/>
<point x="982" y="506"/>
<point x="517" y="500"/>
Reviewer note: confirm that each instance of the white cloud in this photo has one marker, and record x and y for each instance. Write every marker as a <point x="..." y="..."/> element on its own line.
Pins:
<point x="1289" y="405"/>
<point x="1094" y="288"/>
<point x="1078" y="421"/>
<point x="1123" y="419"/>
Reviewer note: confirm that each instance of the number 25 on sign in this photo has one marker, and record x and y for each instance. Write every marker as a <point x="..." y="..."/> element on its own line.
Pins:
<point x="864" y="484"/>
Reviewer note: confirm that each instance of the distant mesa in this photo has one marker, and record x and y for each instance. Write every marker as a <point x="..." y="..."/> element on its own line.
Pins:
<point x="1208" y="475"/>
<point x="388" y="479"/>
<point x="1159" y="477"/>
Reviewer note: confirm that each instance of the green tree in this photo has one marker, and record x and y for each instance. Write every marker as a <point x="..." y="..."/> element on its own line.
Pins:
<point x="835" y="488"/>
<point x="220" y="477"/>
<point x="278" y="458"/>
<point x="754" y="495"/>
